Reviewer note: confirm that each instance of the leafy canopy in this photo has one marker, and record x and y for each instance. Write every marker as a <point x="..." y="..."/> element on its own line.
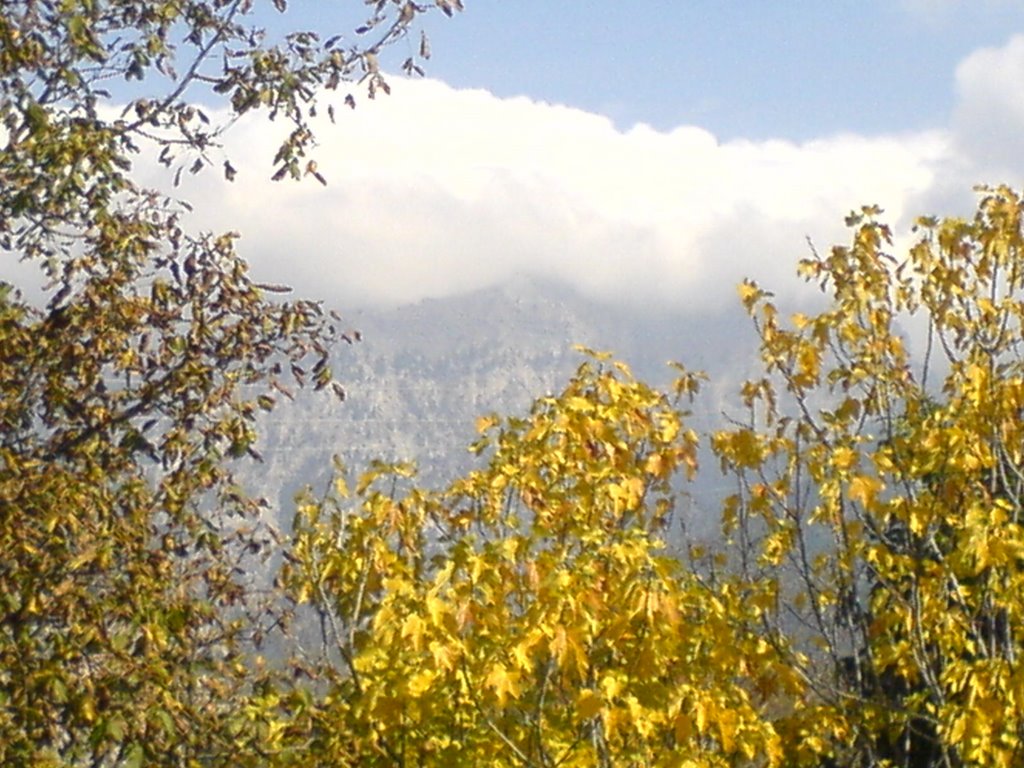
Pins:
<point x="532" y="613"/>
<point x="882" y="494"/>
<point x="129" y="388"/>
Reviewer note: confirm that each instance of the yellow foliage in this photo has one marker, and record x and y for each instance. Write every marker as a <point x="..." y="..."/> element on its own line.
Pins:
<point x="864" y="489"/>
<point x="588" y="704"/>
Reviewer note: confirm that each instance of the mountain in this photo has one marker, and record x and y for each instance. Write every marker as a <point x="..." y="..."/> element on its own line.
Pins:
<point x="423" y="373"/>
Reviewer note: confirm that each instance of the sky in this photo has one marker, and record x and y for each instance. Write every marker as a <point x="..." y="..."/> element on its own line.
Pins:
<point x="646" y="153"/>
<point x="796" y="69"/>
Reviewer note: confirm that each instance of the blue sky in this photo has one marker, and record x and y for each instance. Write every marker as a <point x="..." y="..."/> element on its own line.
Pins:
<point x="755" y="69"/>
<point x="638" y="152"/>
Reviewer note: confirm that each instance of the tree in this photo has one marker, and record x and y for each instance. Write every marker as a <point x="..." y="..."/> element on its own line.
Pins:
<point x="532" y="613"/>
<point x="884" y="512"/>
<point x="128" y="391"/>
<point x="865" y="607"/>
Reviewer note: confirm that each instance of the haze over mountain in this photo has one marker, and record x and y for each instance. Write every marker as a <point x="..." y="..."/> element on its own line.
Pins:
<point x="423" y="373"/>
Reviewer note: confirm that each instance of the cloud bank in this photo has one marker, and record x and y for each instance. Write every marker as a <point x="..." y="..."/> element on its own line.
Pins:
<point x="435" y="191"/>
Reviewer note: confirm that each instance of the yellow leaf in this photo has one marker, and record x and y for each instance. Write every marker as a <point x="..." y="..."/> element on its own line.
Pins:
<point x="655" y="465"/>
<point x="843" y="458"/>
<point x="588" y="704"/>
<point x="727" y="722"/>
<point x="503" y="682"/>
<point x="700" y="716"/>
<point x="581" y="404"/>
<point x="559" y="644"/>
<point x="669" y="430"/>
<point x="420" y="683"/>
<point x="864" y="489"/>
<point x="440" y="613"/>
<point x="484" y="423"/>
<point x="444" y="656"/>
<point x="683" y="726"/>
<point x="640" y="718"/>
<point x="341" y="487"/>
<point x="521" y="655"/>
<point x="808" y="365"/>
<point x="412" y="629"/>
<point x="749" y="293"/>
<point x="611" y="686"/>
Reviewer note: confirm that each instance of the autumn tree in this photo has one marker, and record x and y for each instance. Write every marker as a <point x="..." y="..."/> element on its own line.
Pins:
<point x="879" y="493"/>
<point x="532" y="613"/>
<point x="130" y="388"/>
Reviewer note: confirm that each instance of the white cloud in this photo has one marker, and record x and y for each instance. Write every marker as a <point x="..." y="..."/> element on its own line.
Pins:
<point x="434" y="191"/>
<point x="989" y="117"/>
